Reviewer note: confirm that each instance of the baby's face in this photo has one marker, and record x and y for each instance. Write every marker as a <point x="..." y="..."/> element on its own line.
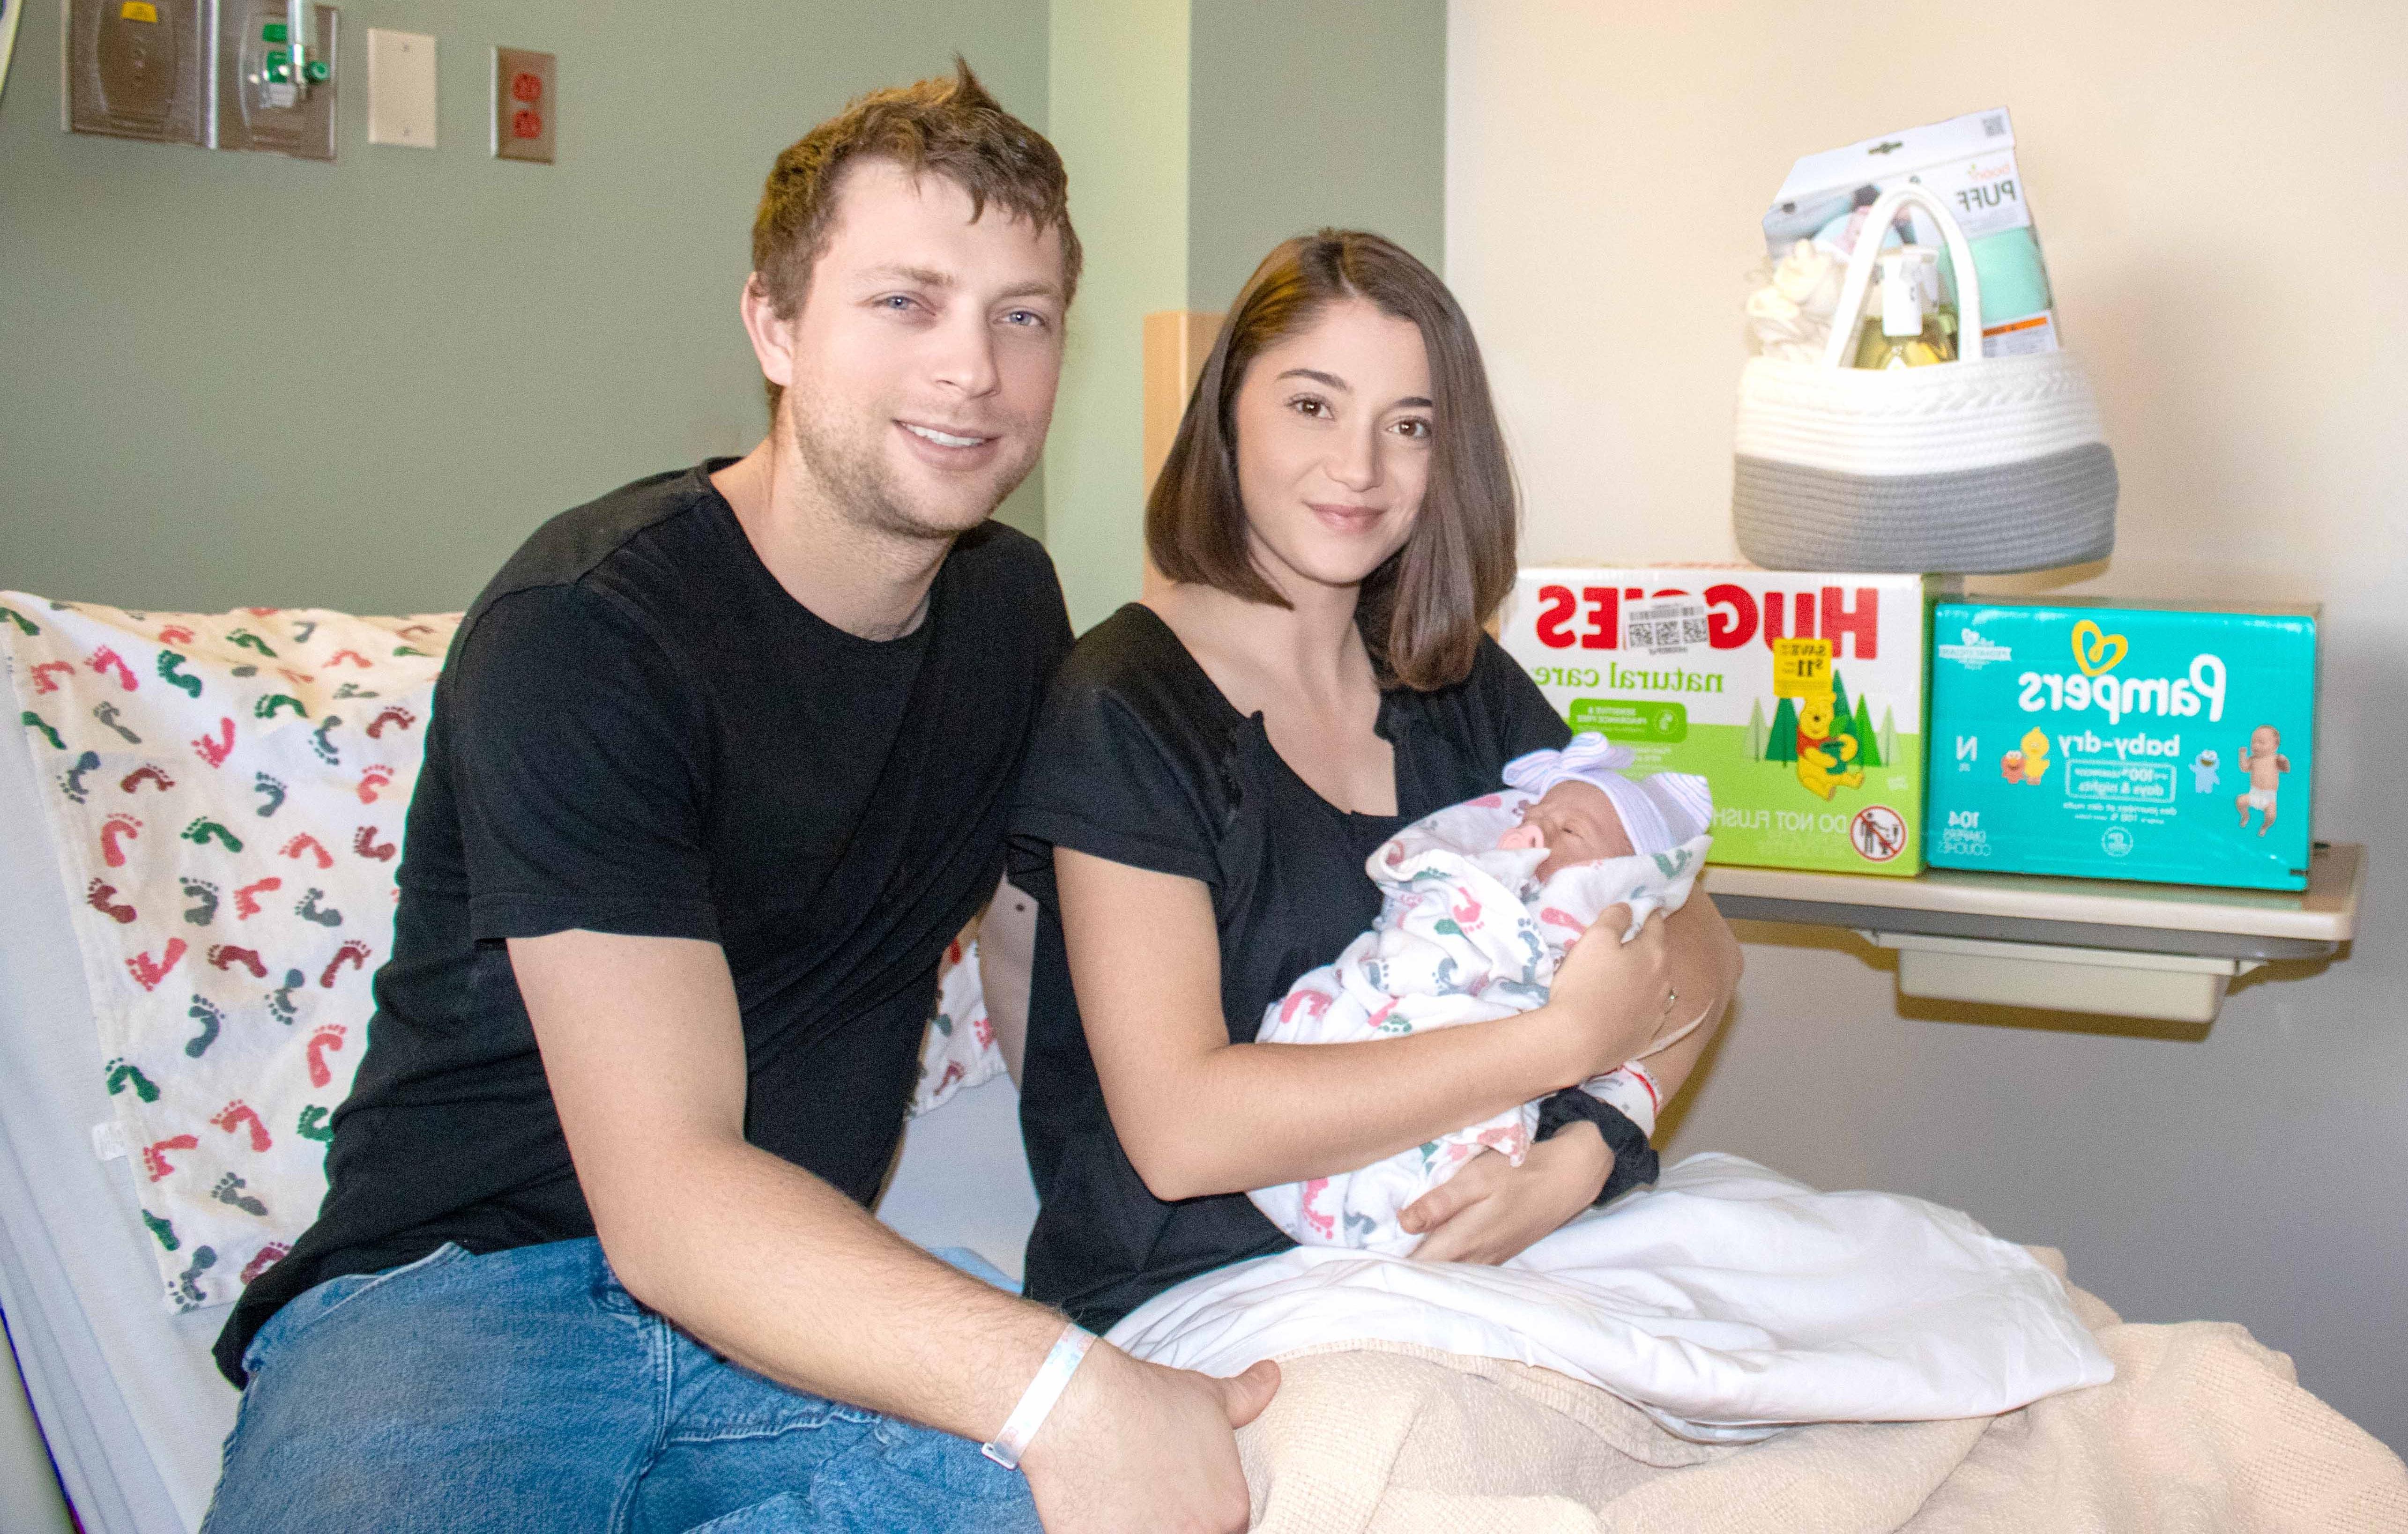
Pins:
<point x="1576" y="822"/>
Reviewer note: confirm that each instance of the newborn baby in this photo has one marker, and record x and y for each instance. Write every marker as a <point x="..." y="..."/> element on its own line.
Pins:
<point x="1480" y="900"/>
<point x="1574" y="821"/>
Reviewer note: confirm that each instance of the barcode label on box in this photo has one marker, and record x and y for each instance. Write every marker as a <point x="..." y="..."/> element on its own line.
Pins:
<point x="1665" y="626"/>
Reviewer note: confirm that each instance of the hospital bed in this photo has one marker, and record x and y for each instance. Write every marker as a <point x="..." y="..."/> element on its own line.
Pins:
<point x="125" y="1398"/>
<point x="127" y="1402"/>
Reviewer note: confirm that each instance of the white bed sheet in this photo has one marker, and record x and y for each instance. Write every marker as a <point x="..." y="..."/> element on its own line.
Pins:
<point x="131" y="1404"/>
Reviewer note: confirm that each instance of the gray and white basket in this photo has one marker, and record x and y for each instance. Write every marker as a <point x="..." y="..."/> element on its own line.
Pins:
<point x="1975" y="467"/>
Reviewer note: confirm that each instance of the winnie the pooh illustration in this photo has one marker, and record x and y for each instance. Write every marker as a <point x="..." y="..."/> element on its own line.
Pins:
<point x="1824" y="758"/>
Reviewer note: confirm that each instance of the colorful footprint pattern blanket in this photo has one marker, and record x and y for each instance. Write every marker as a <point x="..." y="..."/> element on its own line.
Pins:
<point x="227" y="796"/>
<point x="959" y="1051"/>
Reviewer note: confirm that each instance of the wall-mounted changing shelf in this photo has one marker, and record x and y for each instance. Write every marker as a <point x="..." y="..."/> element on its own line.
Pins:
<point x="2164" y="950"/>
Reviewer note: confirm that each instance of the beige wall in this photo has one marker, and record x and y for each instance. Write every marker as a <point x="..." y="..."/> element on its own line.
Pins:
<point x="2217" y="191"/>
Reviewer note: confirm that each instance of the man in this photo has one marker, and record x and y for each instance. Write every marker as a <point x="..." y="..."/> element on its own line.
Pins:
<point x="718" y="764"/>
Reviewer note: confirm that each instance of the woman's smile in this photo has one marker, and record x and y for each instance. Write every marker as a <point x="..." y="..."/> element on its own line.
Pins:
<point x="1341" y="517"/>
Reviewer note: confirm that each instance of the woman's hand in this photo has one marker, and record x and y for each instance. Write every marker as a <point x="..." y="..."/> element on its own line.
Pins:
<point x="1492" y="1209"/>
<point x="1610" y="997"/>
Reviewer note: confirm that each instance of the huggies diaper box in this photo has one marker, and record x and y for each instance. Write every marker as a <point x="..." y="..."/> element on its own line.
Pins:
<point x="2162" y="742"/>
<point x="1800" y="696"/>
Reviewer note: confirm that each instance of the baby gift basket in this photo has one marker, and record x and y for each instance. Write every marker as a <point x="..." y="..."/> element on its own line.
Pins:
<point x="1977" y="465"/>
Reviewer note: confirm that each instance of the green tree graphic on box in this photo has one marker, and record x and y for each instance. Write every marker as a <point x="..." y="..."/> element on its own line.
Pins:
<point x="1853" y="723"/>
<point x="1868" y="752"/>
<point x="1780" y="744"/>
<point x="1783" y="746"/>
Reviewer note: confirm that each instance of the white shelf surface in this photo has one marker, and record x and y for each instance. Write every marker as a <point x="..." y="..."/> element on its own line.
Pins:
<point x="2067" y="912"/>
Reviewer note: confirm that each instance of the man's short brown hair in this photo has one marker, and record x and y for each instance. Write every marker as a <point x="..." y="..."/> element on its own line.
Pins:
<point x="1420" y="612"/>
<point x="938" y="127"/>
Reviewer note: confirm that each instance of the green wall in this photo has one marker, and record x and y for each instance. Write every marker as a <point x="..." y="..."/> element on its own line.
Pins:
<point x="1118" y="114"/>
<point x="478" y="345"/>
<point x="1313" y="113"/>
<point x="1199" y="134"/>
<point x="473" y="345"/>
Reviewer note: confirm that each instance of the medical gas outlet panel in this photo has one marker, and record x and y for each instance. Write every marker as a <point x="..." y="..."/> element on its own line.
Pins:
<point x="276" y="81"/>
<point x="224" y="74"/>
<point x="263" y="75"/>
<point x="140" y="69"/>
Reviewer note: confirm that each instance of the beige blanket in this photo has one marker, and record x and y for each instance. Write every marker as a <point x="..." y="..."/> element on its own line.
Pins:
<point x="2202" y="1429"/>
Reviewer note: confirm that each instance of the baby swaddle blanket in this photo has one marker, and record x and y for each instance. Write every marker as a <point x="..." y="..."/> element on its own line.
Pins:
<point x="1457" y="942"/>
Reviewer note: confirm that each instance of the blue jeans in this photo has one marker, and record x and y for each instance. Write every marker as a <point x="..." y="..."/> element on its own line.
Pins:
<point x="528" y="1391"/>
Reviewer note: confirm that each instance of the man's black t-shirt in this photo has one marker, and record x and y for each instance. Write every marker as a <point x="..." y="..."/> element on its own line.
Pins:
<point x="639" y="731"/>
<point x="1139" y="759"/>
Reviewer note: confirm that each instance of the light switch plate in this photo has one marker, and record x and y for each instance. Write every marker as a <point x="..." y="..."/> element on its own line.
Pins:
<point x="137" y="69"/>
<point x="525" y="104"/>
<point x="401" y="87"/>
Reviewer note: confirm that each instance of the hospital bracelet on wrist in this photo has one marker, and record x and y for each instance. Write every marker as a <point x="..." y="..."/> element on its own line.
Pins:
<point x="1052" y="1378"/>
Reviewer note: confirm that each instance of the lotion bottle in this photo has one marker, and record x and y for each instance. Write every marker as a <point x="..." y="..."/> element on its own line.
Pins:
<point x="1911" y="330"/>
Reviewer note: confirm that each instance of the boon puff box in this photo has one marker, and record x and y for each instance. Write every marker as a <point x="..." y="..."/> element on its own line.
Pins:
<point x="2174" y="744"/>
<point x="1799" y="697"/>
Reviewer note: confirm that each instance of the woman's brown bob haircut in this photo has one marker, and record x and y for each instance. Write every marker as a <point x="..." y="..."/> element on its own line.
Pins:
<point x="1419" y="612"/>
<point x="942" y="127"/>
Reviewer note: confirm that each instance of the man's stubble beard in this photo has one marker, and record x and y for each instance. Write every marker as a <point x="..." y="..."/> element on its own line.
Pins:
<point x="855" y="476"/>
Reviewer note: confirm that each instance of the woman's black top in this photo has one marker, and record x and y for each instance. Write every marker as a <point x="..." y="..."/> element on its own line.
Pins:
<point x="1139" y="759"/>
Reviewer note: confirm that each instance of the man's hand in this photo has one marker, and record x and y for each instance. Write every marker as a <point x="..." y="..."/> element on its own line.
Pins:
<point x="1492" y="1209"/>
<point x="1134" y="1446"/>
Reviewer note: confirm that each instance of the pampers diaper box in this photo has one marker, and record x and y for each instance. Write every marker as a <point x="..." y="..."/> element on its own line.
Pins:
<point x="2160" y="742"/>
<point x="1799" y="697"/>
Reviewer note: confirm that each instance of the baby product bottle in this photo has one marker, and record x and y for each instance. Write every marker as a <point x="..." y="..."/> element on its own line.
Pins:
<point x="1911" y="329"/>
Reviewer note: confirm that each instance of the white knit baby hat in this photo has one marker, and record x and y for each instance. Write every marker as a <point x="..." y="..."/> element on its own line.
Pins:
<point x="1660" y="810"/>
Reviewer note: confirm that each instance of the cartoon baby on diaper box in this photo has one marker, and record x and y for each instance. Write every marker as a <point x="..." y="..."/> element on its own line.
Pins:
<point x="2265" y="763"/>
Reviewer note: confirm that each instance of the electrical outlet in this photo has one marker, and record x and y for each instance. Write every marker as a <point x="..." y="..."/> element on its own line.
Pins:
<point x="257" y="107"/>
<point x="524" y="107"/>
<point x="137" y="69"/>
<point x="401" y="87"/>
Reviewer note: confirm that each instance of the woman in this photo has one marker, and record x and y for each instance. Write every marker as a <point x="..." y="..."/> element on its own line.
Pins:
<point x="1335" y="519"/>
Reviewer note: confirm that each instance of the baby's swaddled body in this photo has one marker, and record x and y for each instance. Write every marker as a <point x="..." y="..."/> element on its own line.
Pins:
<point x="1477" y="912"/>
